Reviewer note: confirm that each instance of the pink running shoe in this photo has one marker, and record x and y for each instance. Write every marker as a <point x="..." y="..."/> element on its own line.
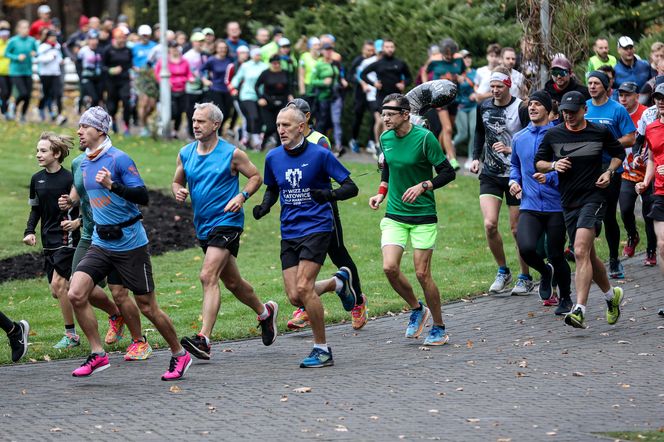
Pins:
<point x="94" y="364"/>
<point x="177" y="369"/>
<point x="553" y="300"/>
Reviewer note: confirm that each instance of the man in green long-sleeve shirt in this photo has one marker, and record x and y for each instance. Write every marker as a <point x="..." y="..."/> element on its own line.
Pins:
<point x="20" y="50"/>
<point x="328" y="84"/>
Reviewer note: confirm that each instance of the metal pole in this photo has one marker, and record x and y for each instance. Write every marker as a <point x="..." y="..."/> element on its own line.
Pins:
<point x="545" y="24"/>
<point x="165" y="74"/>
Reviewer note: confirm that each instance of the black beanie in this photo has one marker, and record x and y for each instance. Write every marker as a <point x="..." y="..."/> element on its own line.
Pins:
<point x="602" y="77"/>
<point x="543" y="98"/>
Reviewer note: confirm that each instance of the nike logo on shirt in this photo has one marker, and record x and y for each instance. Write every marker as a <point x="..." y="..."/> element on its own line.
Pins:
<point x="589" y="148"/>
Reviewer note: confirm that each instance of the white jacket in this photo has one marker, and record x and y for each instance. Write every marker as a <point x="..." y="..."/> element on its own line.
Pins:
<point x="49" y="59"/>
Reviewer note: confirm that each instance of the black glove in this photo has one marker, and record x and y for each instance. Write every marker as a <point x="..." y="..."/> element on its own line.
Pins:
<point x="321" y="195"/>
<point x="260" y="211"/>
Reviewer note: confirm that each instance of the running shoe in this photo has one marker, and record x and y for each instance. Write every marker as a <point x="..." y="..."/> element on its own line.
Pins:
<point x="18" y="340"/>
<point x="354" y="146"/>
<point x="177" y="367"/>
<point x="437" y="336"/>
<point x="138" y="350"/>
<point x="455" y="164"/>
<point x="651" y="258"/>
<point x="371" y="147"/>
<point x="359" y="314"/>
<point x="318" y="358"/>
<point x="553" y="300"/>
<point x="346" y="292"/>
<point x="115" y="330"/>
<point x="630" y="247"/>
<point x="524" y="285"/>
<point x="197" y="346"/>
<point x="575" y="318"/>
<point x="616" y="269"/>
<point x="503" y="280"/>
<point x="545" y="288"/>
<point x="94" y="364"/>
<point x="569" y="254"/>
<point x="299" y="320"/>
<point x="661" y="312"/>
<point x="68" y="341"/>
<point x="565" y="306"/>
<point x="613" y="306"/>
<point x="417" y="321"/>
<point x="269" y="324"/>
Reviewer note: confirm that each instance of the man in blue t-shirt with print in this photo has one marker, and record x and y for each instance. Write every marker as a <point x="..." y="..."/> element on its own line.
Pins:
<point x="209" y="171"/>
<point x="298" y="173"/>
<point x="605" y="111"/>
<point x="119" y="243"/>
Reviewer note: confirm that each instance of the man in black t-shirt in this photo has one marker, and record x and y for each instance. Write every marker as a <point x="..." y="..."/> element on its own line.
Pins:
<point x="574" y="150"/>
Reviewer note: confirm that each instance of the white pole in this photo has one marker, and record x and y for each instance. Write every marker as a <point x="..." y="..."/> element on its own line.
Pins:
<point x="165" y="74"/>
<point x="545" y="22"/>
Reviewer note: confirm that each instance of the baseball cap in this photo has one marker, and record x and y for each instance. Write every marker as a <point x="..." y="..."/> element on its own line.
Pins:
<point x="572" y="101"/>
<point x="625" y="41"/>
<point x="561" y="62"/>
<point x="630" y="87"/>
<point x="464" y="52"/>
<point x="300" y="104"/>
<point x="277" y="30"/>
<point x="197" y="36"/>
<point x="242" y="48"/>
<point x="378" y="44"/>
<point x="208" y="31"/>
<point x="92" y="33"/>
<point x="44" y="9"/>
<point x="283" y="41"/>
<point x="144" y="30"/>
<point x="659" y="91"/>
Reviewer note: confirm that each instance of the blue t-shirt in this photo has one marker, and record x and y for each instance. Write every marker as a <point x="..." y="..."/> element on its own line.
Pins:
<point x="295" y="176"/>
<point x="109" y="208"/>
<point x="217" y="67"/>
<point x="233" y="45"/>
<point x="212" y="185"/>
<point x="614" y="116"/>
<point x="140" y="53"/>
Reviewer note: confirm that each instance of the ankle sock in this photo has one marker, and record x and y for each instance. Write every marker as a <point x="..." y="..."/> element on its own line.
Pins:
<point x="609" y="295"/>
<point x="70" y="329"/>
<point x="582" y="307"/>
<point x="338" y="283"/>
<point x="182" y="352"/>
<point x="323" y="347"/>
<point x="265" y="313"/>
<point x="504" y="270"/>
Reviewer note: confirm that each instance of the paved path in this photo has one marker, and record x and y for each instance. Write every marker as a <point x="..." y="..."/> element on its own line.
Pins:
<point x="512" y="371"/>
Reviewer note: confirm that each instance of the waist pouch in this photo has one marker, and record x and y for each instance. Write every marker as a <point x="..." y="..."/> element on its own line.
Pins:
<point x="113" y="232"/>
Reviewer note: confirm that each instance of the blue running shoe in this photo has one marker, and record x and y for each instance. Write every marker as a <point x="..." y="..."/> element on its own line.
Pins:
<point x="354" y="146"/>
<point x="437" y="336"/>
<point x="346" y="293"/>
<point x="616" y="269"/>
<point x="318" y="358"/>
<point x="418" y="319"/>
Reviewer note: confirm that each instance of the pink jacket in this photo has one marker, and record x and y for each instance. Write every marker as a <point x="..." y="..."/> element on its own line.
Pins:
<point x="180" y="74"/>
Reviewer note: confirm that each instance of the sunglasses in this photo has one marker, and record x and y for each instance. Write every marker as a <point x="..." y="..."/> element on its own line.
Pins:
<point x="555" y="72"/>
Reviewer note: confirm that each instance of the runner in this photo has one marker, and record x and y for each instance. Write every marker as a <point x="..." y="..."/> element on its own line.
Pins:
<point x="605" y="111"/>
<point x="58" y="242"/>
<point x="655" y="173"/>
<point x="210" y="168"/>
<point x="392" y="74"/>
<point x="119" y="243"/>
<point x="20" y="50"/>
<point x="298" y="174"/>
<point x="347" y="278"/>
<point x="575" y="150"/>
<point x="540" y="210"/>
<point x="410" y="154"/>
<point x="17" y="333"/>
<point x="117" y="64"/>
<point x="145" y="84"/>
<point x="498" y="119"/>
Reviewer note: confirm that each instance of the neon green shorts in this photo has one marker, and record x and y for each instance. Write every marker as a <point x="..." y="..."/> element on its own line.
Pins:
<point x="395" y="233"/>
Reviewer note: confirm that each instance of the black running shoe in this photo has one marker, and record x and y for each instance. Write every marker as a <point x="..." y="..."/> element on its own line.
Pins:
<point x="18" y="340"/>
<point x="546" y="283"/>
<point x="564" y="306"/>
<point x="197" y="346"/>
<point x="269" y="324"/>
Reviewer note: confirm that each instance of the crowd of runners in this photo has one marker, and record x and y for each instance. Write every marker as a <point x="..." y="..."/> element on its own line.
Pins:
<point x="562" y="158"/>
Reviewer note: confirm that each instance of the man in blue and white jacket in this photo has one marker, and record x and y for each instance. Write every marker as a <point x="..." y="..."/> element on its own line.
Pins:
<point x="540" y="209"/>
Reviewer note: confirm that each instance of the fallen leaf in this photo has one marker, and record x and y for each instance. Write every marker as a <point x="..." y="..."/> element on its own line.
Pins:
<point x="302" y="390"/>
<point x="47" y="358"/>
<point x="374" y="418"/>
<point x="472" y="420"/>
<point x="433" y="411"/>
<point x="55" y="430"/>
<point x="175" y="389"/>
<point x="425" y="348"/>
<point x="523" y="364"/>
<point x="625" y="385"/>
<point x="341" y="428"/>
<point x="578" y="374"/>
<point x="469" y="343"/>
<point x="531" y="314"/>
<point x="520" y="374"/>
<point x="459" y="389"/>
<point x="624" y="342"/>
<point x="504" y="439"/>
<point x="24" y="391"/>
<point x="227" y="350"/>
<point x="551" y="433"/>
<point x="646" y="354"/>
<point x="284" y="398"/>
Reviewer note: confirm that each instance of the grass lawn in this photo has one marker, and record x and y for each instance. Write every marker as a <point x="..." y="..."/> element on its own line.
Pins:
<point x="462" y="266"/>
<point x="643" y="436"/>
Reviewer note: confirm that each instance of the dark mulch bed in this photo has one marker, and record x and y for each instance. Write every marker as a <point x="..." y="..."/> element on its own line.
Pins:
<point x="169" y="226"/>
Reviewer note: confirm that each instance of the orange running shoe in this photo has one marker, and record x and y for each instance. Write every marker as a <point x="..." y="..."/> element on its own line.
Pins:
<point x="115" y="330"/>
<point x="138" y="350"/>
<point x="299" y="320"/>
<point x="359" y="314"/>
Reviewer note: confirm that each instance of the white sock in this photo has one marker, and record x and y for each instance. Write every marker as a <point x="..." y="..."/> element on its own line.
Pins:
<point x="265" y="313"/>
<point x="609" y="295"/>
<point x="338" y="283"/>
<point x="582" y="307"/>
<point x="323" y="347"/>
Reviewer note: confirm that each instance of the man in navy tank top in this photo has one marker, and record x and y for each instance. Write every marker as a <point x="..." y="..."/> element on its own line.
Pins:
<point x="208" y="171"/>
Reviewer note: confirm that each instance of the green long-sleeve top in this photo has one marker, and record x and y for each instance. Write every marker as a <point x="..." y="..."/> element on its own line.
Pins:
<point x="20" y="45"/>
<point x="321" y="71"/>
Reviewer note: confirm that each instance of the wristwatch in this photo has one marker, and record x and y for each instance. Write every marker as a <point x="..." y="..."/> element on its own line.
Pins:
<point x="425" y="185"/>
<point x="246" y="195"/>
<point x="611" y="171"/>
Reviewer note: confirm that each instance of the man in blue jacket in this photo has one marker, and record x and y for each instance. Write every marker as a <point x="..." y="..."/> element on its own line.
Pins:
<point x="540" y="209"/>
<point x="629" y="67"/>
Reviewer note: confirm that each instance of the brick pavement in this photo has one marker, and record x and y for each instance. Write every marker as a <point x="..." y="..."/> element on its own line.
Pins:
<point x="512" y="371"/>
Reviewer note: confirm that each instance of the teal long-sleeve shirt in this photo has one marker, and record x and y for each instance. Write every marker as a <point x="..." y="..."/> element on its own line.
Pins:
<point x="16" y="46"/>
<point x="246" y="77"/>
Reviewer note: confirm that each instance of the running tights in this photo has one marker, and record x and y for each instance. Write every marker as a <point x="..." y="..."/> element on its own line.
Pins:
<point x="117" y="92"/>
<point x="51" y="92"/>
<point x="5" y="92"/>
<point x="338" y="252"/>
<point x="627" y="202"/>
<point x="611" y="228"/>
<point x="5" y="323"/>
<point x="23" y="85"/>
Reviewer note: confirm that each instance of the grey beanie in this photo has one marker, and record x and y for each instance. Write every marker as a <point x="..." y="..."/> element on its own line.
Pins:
<point x="96" y="117"/>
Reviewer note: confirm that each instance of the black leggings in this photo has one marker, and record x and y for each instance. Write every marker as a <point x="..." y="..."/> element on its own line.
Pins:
<point x="338" y="252"/>
<point x="359" y="107"/>
<point x="117" y="92"/>
<point x="250" y="110"/>
<point x="191" y="100"/>
<point x="23" y="85"/>
<point x="611" y="227"/>
<point x="5" y="92"/>
<point x="178" y="106"/>
<point x="627" y="202"/>
<point x="5" y="323"/>
<point x="225" y="102"/>
<point x="51" y="92"/>
<point x="92" y="90"/>
<point x="532" y="225"/>
<point x="269" y="116"/>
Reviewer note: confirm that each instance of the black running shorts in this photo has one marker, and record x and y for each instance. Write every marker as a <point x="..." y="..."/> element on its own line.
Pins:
<point x="588" y="216"/>
<point x="498" y="186"/>
<point x="310" y="248"/>
<point x="224" y="238"/>
<point x="657" y="208"/>
<point x="133" y="267"/>
<point x="58" y="260"/>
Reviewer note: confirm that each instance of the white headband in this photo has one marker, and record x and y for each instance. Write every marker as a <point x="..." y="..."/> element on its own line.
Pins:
<point x="499" y="76"/>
